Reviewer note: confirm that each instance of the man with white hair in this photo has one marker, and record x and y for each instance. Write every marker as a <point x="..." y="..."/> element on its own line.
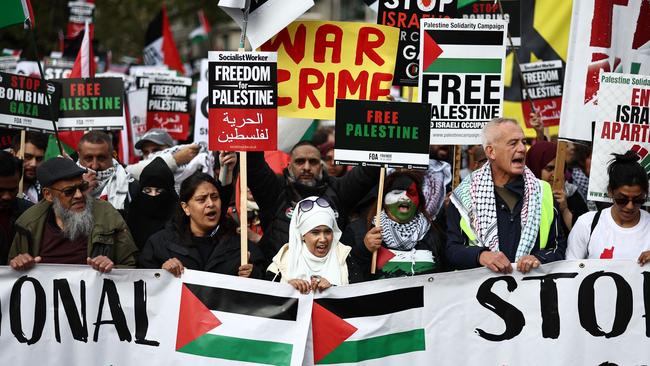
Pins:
<point x="69" y="226"/>
<point x="501" y="213"/>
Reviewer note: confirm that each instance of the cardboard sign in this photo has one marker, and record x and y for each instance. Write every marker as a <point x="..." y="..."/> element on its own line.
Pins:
<point x="201" y="111"/>
<point x="8" y="63"/>
<point x="243" y="113"/>
<point x="544" y="81"/>
<point x="137" y="100"/>
<point x="24" y="102"/>
<point x="91" y="104"/>
<point x="490" y="9"/>
<point x="319" y="62"/>
<point x="461" y="76"/>
<point x="607" y="36"/>
<point x="624" y="118"/>
<point x="406" y="15"/>
<point x="168" y="106"/>
<point x="386" y="134"/>
<point x="56" y="68"/>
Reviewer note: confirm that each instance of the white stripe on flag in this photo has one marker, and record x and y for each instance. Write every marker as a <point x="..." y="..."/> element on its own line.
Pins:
<point x="255" y="328"/>
<point x="374" y="326"/>
<point x="463" y="51"/>
<point x="85" y="54"/>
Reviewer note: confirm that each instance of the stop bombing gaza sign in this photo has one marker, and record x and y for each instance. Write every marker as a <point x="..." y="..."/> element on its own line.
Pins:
<point x="24" y="102"/>
<point x="377" y="133"/>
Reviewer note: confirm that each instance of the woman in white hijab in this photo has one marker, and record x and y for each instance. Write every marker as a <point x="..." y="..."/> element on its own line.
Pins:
<point x="313" y="259"/>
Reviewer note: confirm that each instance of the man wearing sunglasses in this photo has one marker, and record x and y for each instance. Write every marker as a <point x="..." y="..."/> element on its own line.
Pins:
<point x="303" y="177"/>
<point x="69" y="226"/>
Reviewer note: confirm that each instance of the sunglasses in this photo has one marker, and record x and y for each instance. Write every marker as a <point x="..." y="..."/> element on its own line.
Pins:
<point x="70" y="191"/>
<point x="623" y="201"/>
<point x="307" y="205"/>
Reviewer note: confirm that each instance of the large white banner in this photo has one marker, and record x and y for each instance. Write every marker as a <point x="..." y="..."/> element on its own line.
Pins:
<point x="612" y="36"/>
<point x="589" y="312"/>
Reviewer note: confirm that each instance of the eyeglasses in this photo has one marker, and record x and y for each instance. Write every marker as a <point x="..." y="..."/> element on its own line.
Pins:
<point x="70" y="191"/>
<point x="623" y="201"/>
<point x="307" y="205"/>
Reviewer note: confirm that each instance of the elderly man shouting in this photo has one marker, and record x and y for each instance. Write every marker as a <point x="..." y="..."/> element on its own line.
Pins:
<point x="69" y="226"/>
<point x="501" y="213"/>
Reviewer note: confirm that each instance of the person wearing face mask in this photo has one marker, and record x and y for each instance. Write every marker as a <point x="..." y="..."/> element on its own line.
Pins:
<point x="200" y="237"/>
<point x="314" y="259"/>
<point x="407" y="242"/>
<point x="622" y="230"/>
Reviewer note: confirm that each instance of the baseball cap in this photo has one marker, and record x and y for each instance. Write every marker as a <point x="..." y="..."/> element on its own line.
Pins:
<point x="156" y="135"/>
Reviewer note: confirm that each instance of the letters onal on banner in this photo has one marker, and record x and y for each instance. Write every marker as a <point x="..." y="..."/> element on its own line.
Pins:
<point x="319" y="62"/>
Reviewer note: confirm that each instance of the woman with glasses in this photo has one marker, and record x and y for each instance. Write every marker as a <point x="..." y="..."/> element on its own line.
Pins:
<point x="314" y="259"/>
<point x="200" y="236"/>
<point x="621" y="231"/>
<point x="407" y="242"/>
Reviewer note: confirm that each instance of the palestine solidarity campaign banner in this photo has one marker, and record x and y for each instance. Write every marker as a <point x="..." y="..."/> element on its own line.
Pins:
<point x="590" y="312"/>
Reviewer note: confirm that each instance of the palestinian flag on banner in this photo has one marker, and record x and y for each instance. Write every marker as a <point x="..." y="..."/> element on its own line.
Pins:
<point x="160" y="47"/>
<point x="445" y="51"/>
<point x="239" y="325"/>
<point x="201" y="33"/>
<point x="16" y="12"/>
<point x="368" y="327"/>
<point x="399" y="263"/>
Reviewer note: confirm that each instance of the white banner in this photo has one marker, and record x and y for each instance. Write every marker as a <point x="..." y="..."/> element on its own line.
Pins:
<point x="589" y="312"/>
<point x="612" y="36"/>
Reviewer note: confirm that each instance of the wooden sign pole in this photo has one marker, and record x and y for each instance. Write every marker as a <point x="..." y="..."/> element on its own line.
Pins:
<point x="458" y="154"/>
<point x="21" y="156"/>
<point x="380" y="202"/>
<point x="560" y="158"/>
<point x="243" y="173"/>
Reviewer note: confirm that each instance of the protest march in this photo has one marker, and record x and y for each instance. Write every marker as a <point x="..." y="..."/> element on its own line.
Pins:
<point x="320" y="182"/>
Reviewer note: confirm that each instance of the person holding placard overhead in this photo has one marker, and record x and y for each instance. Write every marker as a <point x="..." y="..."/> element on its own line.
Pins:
<point x="501" y="213"/>
<point x="622" y="230"/>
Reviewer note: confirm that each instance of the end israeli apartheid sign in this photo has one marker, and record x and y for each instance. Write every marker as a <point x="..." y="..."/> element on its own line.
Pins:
<point x="461" y="76"/>
<point x="168" y="106"/>
<point x="24" y="102"/>
<point x="243" y="113"/>
<point x="406" y="15"/>
<point x="544" y="81"/>
<point x="378" y="133"/>
<point x="623" y="124"/>
<point x="91" y="104"/>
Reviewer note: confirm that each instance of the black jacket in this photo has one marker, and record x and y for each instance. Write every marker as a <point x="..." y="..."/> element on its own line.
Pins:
<point x="19" y="206"/>
<point x="277" y="197"/>
<point x="225" y="257"/>
<point x="460" y="255"/>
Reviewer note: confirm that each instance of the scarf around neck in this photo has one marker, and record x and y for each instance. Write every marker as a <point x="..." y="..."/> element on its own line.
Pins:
<point x="403" y="236"/>
<point x="113" y="185"/>
<point x="475" y="201"/>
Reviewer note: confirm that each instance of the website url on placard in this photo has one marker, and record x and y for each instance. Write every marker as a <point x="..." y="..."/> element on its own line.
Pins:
<point x="444" y="135"/>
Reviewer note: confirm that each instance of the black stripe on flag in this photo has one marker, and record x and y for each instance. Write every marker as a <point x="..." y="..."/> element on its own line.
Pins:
<point x="382" y="303"/>
<point x="154" y="30"/>
<point x="467" y="37"/>
<point x="246" y="303"/>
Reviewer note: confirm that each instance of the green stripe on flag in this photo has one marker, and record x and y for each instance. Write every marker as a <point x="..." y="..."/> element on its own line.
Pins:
<point x="240" y="349"/>
<point x="466" y="65"/>
<point x="408" y="267"/>
<point x="463" y="3"/>
<point x="377" y="347"/>
<point x="12" y="13"/>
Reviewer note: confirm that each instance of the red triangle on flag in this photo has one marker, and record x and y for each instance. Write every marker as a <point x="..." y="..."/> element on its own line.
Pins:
<point x="383" y="256"/>
<point x="194" y="319"/>
<point x="430" y="52"/>
<point x="328" y="331"/>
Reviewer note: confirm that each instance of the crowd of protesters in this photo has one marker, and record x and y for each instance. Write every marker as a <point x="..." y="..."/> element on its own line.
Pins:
<point x="314" y="224"/>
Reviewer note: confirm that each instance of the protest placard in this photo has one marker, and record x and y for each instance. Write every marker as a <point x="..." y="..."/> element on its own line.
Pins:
<point x="91" y="104"/>
<point x="242" y="92"/>
<point x="168" y="106"/>
<point x="24" y="102"/>
<point x="8" y="63"/>
<point x="544" y="81"/>
<point x="144" y="74"/>
<point x="319" y="62"/>
<point x="201" y="112"/>
<point x="461" y="76"/>
<point x="57" y="68"/>
<point x="406" y="15"/>
<point x="377" y="133"/>
<point x="137" y="100"/>
<point x="490" y="9"/>
<point x="623" y="124"/>
<point x="612" y="36"/>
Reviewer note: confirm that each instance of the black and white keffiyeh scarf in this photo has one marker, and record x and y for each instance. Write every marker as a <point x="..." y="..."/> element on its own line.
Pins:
<point x="403" y="236"/>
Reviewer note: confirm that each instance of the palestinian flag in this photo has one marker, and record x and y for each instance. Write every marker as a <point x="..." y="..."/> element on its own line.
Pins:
<point x="201" y="33"/>
<point x="239" y="325"/>
<point x="368" y="327"/>
<point x="160" y="47"/>
<point x="445" y="51"/>
<point x="16" y="12"/>
<point x="399" y="263"/>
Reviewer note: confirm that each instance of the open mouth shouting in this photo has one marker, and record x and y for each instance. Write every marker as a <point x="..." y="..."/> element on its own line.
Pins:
<point x="212" y="215"/>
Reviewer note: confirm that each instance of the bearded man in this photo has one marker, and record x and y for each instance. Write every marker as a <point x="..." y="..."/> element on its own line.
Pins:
<point x="69" y="226"/>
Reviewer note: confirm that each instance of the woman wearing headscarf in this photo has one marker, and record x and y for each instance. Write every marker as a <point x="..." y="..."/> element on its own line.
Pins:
<point x="154" y="204"/>
<point x="540" y="159"/>
<point x="314" y="258"/>
<point x="407" y="241"/>
<point x="200" y="237"/>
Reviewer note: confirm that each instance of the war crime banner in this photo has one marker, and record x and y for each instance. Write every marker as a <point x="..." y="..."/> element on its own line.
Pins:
<point x="168" y="106"/>
<point x="378" y="133"/>
<point x="242" y="106"/>
<point x="462" y="68"/>
<point x="406" y="15"/>
<point x="319" y="62"/>
<point x="91" y="104"/>
<point x="544" y="81"/>
<point x="623" y="124"/>
<point x="25" y="102"/>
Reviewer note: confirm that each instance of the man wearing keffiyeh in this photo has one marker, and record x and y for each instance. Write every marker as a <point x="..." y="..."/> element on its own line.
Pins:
<point x="501" y="213"/>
